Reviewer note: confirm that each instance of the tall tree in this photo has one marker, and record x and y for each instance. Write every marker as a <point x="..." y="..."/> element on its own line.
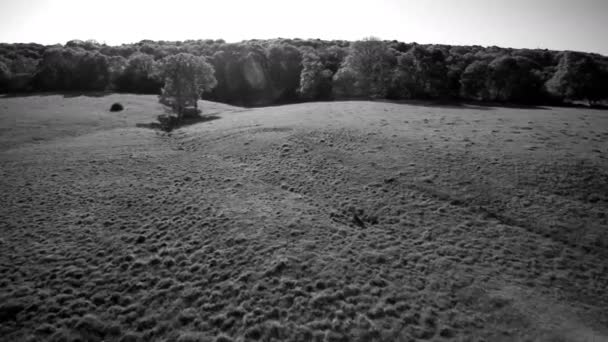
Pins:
<point x="23" y="65"/>
<point x="332" y="57"/>
<point x="579" y="77"/>
<point x="431" y="70"/>
<point x="370" y="62"/>
<point x="55" y="70"/>
<point x="315" y="79"/>
<point x="405" y="83"/>
<point x="285" y="66"/>
<point x="186" y="78"/>
<point x="72" y="69"/>
<point x="474" y="81"/>
<point x="92" y="72"/>
<point x="141" y="75"/>
<point x="513" y="79"/>
<point x="420" y="73"/>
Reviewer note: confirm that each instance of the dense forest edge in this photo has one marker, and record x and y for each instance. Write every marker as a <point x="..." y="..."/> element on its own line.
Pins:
<point x="280" y="71"/>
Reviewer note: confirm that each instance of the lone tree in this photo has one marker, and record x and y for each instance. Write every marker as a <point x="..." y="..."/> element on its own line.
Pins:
<point x="186" y="78"/>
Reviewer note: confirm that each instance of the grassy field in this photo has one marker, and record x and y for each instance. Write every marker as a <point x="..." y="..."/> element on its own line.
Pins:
<point x="338" y="221"/>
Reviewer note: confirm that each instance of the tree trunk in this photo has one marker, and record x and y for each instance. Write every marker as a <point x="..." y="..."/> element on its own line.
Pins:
<point x="180" y="111"/>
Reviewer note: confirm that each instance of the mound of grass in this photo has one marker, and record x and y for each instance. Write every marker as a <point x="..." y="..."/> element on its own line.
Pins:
<point x="90" y="325"/>
<point x="193" y="337"/>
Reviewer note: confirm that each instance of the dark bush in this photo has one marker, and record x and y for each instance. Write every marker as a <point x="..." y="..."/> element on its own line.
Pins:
<point x="116" y="107"/>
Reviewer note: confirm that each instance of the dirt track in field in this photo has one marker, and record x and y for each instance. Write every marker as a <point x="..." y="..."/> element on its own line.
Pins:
<point x="343" y="221"/>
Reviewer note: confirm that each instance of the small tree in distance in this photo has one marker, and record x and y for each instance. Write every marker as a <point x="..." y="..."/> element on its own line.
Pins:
<point x="186" y="77"/>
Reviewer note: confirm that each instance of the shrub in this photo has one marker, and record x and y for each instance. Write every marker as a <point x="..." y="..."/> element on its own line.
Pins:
<point x="116" y="107"/>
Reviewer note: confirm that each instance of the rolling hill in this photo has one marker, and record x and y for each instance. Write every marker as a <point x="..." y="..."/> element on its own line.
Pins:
<point x="328" y="221"/>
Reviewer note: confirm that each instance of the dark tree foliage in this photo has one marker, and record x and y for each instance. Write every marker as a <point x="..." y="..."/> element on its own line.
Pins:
<point x="318" y="69"/>
<point x="185" y="77"/>
<point x="140" y="75"/>
<point x="232" y="86"/>
<point x="404" y="82"/>
<point x="116" y="107"/>
<point x="579" y="77"/>
<point x="89" y="45"/>
<point x="368" y="67"/>
<point x="92" y="72"/>
<point x="72" y="69"/>
<point x="332" y="57"/>
<point x="30" y="50"/>
<point x="263" y="72"/>
<point x="315" y="79"/>
<point x="122" y="51"/>
<point x="513" y="79"/>
<point x="431" y="72"/>
<point x="345" y="84"/>
<point x="243" y="68"/>
<point x="420" y="73"/>
<point x="285" y="66"/>
<point x="456" y="61"/>
<point x="5" y="77"/>
<point x="255" y="71"/>
<point x="474" y="81"/>
<point x="23" y="65"/>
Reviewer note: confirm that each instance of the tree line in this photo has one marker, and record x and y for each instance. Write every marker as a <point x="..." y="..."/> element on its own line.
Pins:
<point x="264" y="72"/>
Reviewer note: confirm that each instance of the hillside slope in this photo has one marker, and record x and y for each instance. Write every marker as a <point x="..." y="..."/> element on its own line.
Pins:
<point x="342" y="221"/>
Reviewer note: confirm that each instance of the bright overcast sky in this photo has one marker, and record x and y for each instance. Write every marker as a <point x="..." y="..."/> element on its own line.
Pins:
<point x="553" y="24"/>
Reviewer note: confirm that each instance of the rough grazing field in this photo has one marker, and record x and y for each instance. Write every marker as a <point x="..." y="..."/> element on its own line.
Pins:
<point x="344" y="221"/>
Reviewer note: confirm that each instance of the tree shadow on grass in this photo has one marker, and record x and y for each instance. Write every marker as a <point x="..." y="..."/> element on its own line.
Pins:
<point x="169" y="123"/>
<point x="481" y="105"/>
<point x="197" y="119"/>
<point x="475" y="105"/>
<point x="436" y="104"/>
<point x="87" y="94"/>
<point x="494" y="105"/>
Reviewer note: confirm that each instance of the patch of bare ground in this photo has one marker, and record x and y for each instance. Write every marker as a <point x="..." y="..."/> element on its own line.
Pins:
<point x="345" y="221"/>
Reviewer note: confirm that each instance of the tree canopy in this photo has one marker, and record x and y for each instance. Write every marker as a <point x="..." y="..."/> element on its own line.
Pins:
<point x="263" y="72"/>
<point x="368" y="64"/>
<point x="186" y="77"/>
<point x="579" y="77"/>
